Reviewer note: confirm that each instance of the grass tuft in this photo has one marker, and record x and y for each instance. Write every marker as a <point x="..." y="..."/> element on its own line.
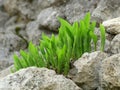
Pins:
<point x="57" y="52"/>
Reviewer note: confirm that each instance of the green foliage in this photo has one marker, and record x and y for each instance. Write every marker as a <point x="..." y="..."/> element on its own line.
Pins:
<point x="57" y="52"/>
<point x="102" y="29"/>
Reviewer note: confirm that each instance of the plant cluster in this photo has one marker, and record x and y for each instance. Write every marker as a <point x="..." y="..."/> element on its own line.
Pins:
<point x="57" y="52"/>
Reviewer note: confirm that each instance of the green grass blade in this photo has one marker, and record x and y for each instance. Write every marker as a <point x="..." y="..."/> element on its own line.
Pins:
<point x="17" y="63"/>
<point x="95" y="39"/>
<point x="64" y="23"/>
<point x="102" y="29"/>
<point x="24" y="56"/>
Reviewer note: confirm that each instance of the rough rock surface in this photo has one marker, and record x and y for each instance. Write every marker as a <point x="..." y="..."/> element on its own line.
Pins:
<point x="12" y="42"/>
<point x="5" y="72"/>
<point x="76" y="9"/>
<point x="107" y="9"/>
<point x="110" y="73"/>
<point x="34" y="32"/>
<point x="32" y="17"/>
<point x="9" y="43"/>
<point x="37" y="79"/>
<point x="86" y="71"/>
<point x="113" y="25"/>
<point x="115" y="44"/>
<point x="29" y="8"/>
<point x="4" y="64"/>
<point x="3" y="18"/>
<point x="47" y="19"/>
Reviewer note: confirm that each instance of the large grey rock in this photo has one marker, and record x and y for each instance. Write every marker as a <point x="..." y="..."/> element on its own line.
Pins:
<point x="3" y="18"/>
<point x="110" y="73"/>
<point x="113" y="25"/>
<point x="115" y="44"/>
<point x="46" y="22"/>
<point x="12" y="42"/>
<point x="29" y="8"/>
<point x="4" y="64"/>
<point x="33" y="32"/>
<point x="86" y="71"/>
<point x="9" y="43"/>
<point x="6" y="72"/>
<point x="6" y="57"/>
<point x="106" y="9"/>
<point x="47" y="19"/>
<point x="76" y="9"/>
<point x="11" y="21"/>
<point x="33" y="78"/>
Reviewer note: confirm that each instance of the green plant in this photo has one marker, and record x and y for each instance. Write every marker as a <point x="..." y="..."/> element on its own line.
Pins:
<point x="57" y="52"/>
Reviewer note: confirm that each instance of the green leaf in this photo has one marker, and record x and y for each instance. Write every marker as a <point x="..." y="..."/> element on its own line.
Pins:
<point x="102" y="29"/>
<point x="17" y="62"/>
<point x="95" y="38"/>
<point x="25" y="57"/>
<point x="64" y="23"/>
<point x="87" y="20"/>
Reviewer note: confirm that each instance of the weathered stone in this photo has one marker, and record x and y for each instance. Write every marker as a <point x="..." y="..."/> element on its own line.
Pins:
<point x="29" y="8"/>
<point x="12" y="42"/>
<point x="11" y="21"/>
<point x="36" y="79"/>
<point x="112" y="26"/>
<point x="4" y="64"/>
<point x="5" y="72"/>
<point x="86" y="71"/>
<point x="76" y="9"/>
<point x="115" y="44"/>
<point x="106" y="47"/>
<point x="3" y="18"/>
<point x="33" y="32"/>
<point x="110" y="73"/>
<point x="47" y="19"/>
<point x="106" y="9"/>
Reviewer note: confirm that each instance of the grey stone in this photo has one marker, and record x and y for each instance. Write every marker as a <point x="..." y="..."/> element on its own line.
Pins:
<point x="86" y="71"/>
<point x="113" y="25"/>
<point x="3" y="18"/>
<point x="110" y="73"/>
<point x="33" y="78"/>
<point x="11" y="21"/>
<point x="115" y="44"/>
<point x="33" y="32"/>
<point x="47" y="19"/>
<point x="29" y="8"/>
<point x="106" y="9"/>
<point x="9" y="43"/>
<point x="4" y="64"/>
<point x="76" y="9"/>
<point x="107" y="46"/>
<point x="6" y="72"/>
<point x="12" y="42"/>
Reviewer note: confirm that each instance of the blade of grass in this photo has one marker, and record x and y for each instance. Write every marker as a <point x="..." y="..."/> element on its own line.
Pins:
<point x="102" y="29"/>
